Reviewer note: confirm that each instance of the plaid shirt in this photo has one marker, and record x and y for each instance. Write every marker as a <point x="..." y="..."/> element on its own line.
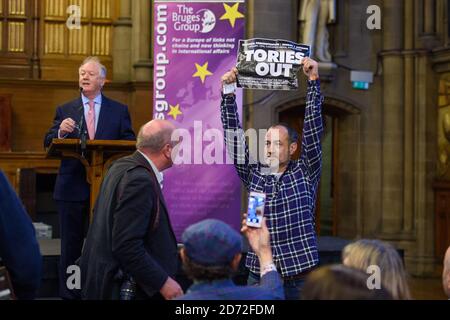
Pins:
<point x="290" y="200"/>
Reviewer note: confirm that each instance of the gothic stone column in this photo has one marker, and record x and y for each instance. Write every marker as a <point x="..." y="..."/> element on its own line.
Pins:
<point x="141" y="39"/>
<point x="393" y="126"/>
<point x="122" y="43"/>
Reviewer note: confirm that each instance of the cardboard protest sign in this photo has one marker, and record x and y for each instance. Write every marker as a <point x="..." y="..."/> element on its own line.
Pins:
<point x="270" y="64"/>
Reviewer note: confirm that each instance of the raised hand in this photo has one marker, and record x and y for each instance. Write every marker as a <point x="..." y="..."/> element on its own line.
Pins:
<point x="311" y="68"/>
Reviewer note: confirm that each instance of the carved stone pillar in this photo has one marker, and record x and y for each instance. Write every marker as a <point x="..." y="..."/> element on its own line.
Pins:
<point x="122" y="43"/>
<point x="429" y="17"/>
<point x="393" y="125"/>
<point x="427" y="22"/>
<point x="141" y="39"/>
<point x="409" y="106"/>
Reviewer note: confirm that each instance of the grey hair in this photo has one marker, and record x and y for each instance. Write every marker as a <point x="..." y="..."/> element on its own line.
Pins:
<point x="97" y="61"/>
<point x="155" y="142"/>
<point x="366" y="252"/>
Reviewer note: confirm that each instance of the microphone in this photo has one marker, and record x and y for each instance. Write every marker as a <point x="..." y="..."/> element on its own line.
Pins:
<point x="83" y="131"/>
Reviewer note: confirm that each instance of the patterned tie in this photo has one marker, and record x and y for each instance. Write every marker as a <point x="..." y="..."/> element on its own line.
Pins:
<point x="91" y="120"/>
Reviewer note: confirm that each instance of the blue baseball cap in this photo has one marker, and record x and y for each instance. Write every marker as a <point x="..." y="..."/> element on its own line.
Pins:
<point x="211" y="242"/>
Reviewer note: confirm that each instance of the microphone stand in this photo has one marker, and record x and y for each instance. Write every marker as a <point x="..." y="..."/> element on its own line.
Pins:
<point x="83" y="131"/>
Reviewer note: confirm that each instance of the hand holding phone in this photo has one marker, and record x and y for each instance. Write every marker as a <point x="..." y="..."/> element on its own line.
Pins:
<point x="255" y="212"/>
<point x="229" y="88"/>
<point x="229" y="80"/>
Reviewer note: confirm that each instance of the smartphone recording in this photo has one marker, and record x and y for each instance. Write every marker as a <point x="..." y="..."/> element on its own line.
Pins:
<point x="255" y="212"/>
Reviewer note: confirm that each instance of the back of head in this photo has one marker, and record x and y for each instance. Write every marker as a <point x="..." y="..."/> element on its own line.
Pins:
<point x="446" y="273"/>
<point x="364" y="253"/>
<point x="338" y="282"/>
<point x="154" y="135"/>
<point x="210" y="246"/>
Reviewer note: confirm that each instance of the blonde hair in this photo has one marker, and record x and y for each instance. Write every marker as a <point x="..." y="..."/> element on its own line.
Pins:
<point x="446" y="272"/>
<point x="339" y="282"/>
<point x="365" y="252"/>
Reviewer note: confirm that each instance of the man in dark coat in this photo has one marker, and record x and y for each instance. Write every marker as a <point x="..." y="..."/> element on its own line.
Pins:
<point x="103" y="119"/>
<point x="131" y="235"/>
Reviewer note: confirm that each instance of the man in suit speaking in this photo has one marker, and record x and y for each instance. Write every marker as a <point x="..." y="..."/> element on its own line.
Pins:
<point x="103" y="119"/>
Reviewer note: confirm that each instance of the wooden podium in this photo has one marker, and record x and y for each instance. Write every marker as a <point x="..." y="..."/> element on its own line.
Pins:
<point x="99" y="156"/>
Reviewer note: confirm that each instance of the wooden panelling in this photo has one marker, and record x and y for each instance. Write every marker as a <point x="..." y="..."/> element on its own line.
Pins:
<point x="62" y="48"/>
<point x="54" y="38"/>
<point x="55" y="8"/>
<point x="102" y="9"/>
<point x="16" y="36"/>
<point x="5" y="123"/>
<point x="35" y="41"/>
<point x="26" y="188"/>
<point x="78" y="41"/>
<point x="16" y="7"/>
<point x="85" y="7"/>
<point x="101" y="40"/>
<point x="10" y="162"/>
<point x="34" y="104"/>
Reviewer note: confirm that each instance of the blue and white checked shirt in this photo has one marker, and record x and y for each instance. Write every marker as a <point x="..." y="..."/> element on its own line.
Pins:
<point x="290" y="201"/>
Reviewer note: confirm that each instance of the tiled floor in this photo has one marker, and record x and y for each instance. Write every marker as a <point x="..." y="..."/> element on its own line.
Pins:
<point x="427" y="288"/>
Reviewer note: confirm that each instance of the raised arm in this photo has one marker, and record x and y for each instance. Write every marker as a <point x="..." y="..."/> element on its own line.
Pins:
<point x="311" y="153"/>
<point x="233" y="133"/>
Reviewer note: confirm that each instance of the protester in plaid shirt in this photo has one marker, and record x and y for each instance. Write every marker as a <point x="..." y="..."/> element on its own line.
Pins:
<point x="291" y="190"/>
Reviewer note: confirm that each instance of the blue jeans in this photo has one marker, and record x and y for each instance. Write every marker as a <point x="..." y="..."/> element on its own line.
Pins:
<point x="292" y="288"/>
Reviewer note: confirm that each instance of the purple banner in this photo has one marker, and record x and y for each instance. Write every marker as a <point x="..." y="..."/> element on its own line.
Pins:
<point x="195" y="43"/>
